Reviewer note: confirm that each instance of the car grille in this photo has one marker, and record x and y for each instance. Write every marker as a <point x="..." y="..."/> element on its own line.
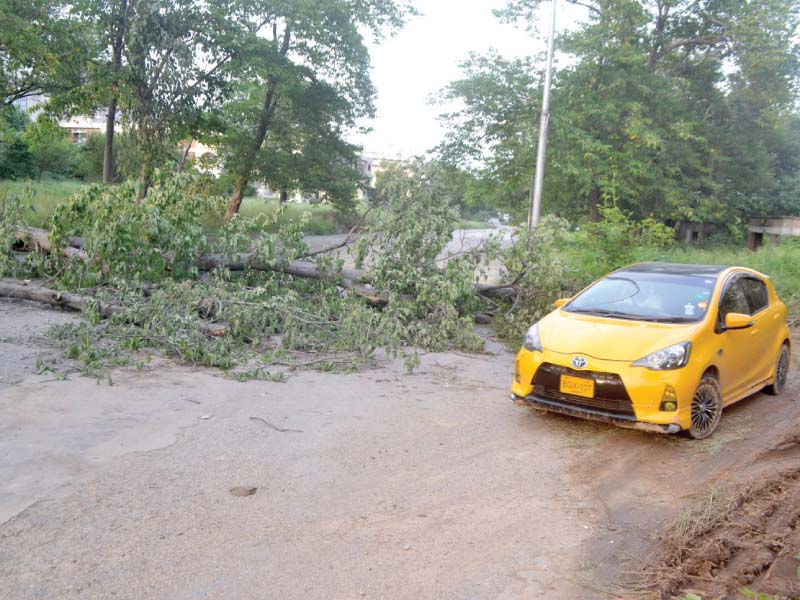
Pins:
<point x="610" y="394"/>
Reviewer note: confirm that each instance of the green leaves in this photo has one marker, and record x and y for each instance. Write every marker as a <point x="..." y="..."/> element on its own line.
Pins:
<point x="674" y="109"/>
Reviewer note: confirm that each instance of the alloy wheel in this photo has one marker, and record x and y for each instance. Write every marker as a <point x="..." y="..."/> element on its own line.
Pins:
<point x="706" y="409"/>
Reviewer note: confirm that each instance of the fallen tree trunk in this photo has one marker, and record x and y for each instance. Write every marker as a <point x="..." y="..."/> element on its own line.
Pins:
<point x="36" y="293"/>
<point x="356" y="280"/>
<point x="21" y="290"/>
<point x="39" y="240"/>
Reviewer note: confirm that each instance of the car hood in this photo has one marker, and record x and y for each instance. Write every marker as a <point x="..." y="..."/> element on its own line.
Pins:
<point x="609" y="339"/>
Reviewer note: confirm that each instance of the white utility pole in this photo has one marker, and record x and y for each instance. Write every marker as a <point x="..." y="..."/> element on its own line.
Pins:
<point x="538" y="180"/>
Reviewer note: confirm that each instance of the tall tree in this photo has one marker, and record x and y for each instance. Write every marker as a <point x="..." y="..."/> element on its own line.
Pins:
<point x="300" y="87"/>
<point x="40" y="49"/>
<point x="646" y="111"/>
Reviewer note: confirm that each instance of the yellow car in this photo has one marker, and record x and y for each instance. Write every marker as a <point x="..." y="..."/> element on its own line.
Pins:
<point x="657" y="346"/>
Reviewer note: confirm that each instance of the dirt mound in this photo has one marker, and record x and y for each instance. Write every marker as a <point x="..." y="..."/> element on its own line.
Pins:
<point x="740" y="541"/>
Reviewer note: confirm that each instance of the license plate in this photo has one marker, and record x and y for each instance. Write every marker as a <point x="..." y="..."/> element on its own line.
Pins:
<point x="577" y="386"/>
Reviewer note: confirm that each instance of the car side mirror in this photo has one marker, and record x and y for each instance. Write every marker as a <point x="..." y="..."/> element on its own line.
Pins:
<point x="738" y="321"/>
<point x="561" y="302"/>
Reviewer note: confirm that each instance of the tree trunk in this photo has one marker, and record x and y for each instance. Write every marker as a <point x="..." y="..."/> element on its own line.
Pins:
<point x="36" y="293"/>
<point x="236" y="199"/>
<point x="352" y="279"/>
<point x="185" y="156"/>
<point x="144" y="182"/>
<point x="108" y="147"/>
<point x="116" y="65"/>
<point x="284" y="197"/>
<point x="594" y="205"/>
<point x="264" y="122"/>
<point x="249" y="160"/>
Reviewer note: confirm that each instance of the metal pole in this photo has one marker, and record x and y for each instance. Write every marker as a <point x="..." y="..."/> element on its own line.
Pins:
<point x="536" y="191"/>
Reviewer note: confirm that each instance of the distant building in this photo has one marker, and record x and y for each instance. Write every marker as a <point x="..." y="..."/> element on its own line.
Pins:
<point x="774" y="228"/>
<point x="687" y="232"/>
<point x="80" y="127"/>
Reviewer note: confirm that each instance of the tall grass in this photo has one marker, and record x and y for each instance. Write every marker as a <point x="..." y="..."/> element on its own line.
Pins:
<point x="321" y="219"/>
<point x="44" y="196"/>
<point x="41" y="197"/>
<point x="781" y="262"/>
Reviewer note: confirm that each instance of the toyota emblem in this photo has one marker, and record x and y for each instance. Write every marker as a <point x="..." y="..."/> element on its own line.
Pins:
<point x="579" y="362"/>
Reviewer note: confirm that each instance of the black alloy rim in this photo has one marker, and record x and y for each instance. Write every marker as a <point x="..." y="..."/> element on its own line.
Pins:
<point x="705" y="406"/>
<point x="782" y="370"/>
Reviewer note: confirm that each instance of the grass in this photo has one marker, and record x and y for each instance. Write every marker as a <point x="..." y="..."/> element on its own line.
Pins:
<point x="780" y="261"/>
<point x="321" y="219"/>
<point x="473" y="224"/>
<point x="45" y="195"/>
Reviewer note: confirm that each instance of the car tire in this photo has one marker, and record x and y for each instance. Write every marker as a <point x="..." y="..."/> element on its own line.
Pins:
<point x="781" y="373"/>
<point x="706" y="408"/>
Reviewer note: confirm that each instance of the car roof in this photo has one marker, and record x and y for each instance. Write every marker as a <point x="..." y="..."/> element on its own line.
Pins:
<point x="675" y="269"/>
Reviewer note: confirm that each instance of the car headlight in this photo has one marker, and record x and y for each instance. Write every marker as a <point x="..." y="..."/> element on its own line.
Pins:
<point x="532" y="340"/>
<point x="666" y="359"/>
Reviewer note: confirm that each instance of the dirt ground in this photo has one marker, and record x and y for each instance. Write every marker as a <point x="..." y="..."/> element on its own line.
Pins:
<point x="371" y="485"/>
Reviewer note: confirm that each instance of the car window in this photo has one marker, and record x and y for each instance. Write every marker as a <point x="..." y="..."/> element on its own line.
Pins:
<point x="756" y="292"/>
<point x="654" y="296"/>
<point x="734" y="300"/>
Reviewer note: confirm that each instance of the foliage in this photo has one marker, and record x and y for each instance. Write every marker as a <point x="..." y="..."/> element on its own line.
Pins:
<point x="617" y="240"/>
<point x="12" y="218"/>
<point x="299" y="79"/>
<point x="16" y="161"/>
<point x="431" y="299"/>
<point x="270" y="319"/>
<point x="40" y="50"/>
<point x="128" y="239"/>
<point x="51" y="150"/>
<point x="680" y="110"/>
<point x="534" y="263"/>
<point x="89" y="161"/>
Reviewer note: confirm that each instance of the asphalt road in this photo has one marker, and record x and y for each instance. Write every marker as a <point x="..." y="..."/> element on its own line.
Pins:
<point x="372" y="485"/>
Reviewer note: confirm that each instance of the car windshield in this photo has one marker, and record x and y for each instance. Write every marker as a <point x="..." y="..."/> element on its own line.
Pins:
<point x="661" y="297"/>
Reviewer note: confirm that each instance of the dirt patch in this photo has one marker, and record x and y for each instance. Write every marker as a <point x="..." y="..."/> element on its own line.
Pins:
<point x="738" y="540"/>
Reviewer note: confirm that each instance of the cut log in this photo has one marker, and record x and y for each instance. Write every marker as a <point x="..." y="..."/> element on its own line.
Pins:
<point x="38" y="240"/>
<point x="28" y="291"/>
<point x="21" y="290"/>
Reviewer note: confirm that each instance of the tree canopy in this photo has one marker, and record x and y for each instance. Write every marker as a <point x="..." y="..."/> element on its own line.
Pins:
<point x="684" y="110"/>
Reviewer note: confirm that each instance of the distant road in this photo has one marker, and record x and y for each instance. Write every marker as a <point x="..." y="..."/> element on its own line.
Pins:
<point x="463" y="239"/>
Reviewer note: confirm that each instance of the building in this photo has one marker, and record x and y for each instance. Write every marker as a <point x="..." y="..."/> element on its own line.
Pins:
<point x="775" y="229"/>
<point x="80" y="127"/>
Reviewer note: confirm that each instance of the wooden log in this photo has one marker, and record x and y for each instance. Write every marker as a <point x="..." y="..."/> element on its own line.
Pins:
<point x="28" y="291"/>
<point x="21" y="290"/>
<point x="38" y="240"/>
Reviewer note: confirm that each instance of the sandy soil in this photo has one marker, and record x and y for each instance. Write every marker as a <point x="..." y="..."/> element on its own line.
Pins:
<point x="381" y="484"/>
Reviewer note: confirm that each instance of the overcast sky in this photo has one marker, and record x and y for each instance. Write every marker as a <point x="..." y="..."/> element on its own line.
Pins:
<point x="423" y="58"/>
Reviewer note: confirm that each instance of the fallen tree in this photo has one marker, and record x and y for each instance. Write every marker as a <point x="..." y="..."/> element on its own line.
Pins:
<point x="357" y="280"/>
<point x="163" y="280"/>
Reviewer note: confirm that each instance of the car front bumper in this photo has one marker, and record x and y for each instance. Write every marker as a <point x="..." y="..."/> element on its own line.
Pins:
<point x="592" y="414"/>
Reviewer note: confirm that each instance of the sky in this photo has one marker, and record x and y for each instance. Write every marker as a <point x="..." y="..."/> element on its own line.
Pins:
<point x="423" y="58"/>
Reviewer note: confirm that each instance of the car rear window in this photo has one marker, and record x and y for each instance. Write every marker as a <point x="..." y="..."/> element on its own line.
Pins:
<point x="666" y="297"/>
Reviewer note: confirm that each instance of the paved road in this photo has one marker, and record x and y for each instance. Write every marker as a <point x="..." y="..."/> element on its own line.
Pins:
<point x="380" y="484"/>
<point x="431" y="485"/>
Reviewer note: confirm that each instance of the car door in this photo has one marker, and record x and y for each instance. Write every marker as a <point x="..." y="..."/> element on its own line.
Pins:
<point x="765" y="327"/>
<point x="735" y="356"/>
